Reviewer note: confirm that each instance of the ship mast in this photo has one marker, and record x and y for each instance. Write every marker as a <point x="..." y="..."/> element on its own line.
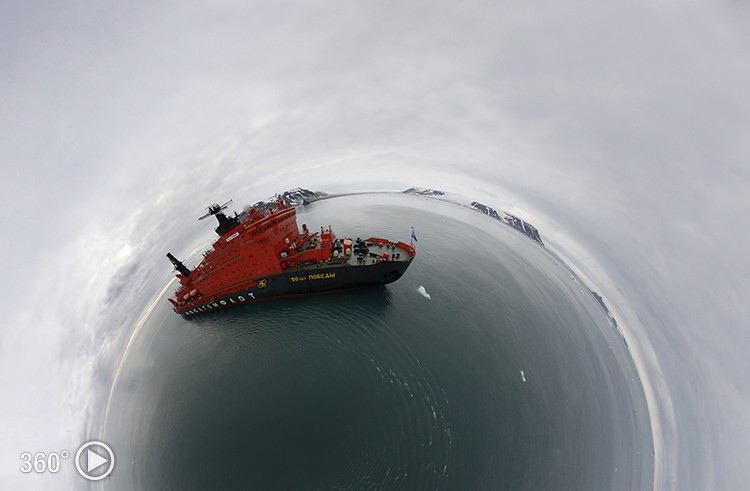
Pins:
<point x="225" y="223"/>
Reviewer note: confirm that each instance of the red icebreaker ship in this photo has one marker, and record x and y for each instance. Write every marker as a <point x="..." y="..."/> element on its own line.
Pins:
<point x="261" y="256"/>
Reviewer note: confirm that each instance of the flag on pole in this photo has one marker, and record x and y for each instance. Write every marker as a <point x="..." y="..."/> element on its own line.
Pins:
<point x="413" y="236"/>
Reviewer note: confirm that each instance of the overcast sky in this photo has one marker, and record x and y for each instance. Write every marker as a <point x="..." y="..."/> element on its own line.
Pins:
<point x="620" y="130"/>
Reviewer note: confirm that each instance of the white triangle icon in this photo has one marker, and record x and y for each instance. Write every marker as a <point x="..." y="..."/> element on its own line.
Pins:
<point x="94" y="460"/>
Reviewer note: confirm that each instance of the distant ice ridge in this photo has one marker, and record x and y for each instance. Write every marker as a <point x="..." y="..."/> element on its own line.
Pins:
<point x="293" y="197"/>
<point x="515" y="222"/>
<point x="423" y="292"/>
<point x="423" y="192"/>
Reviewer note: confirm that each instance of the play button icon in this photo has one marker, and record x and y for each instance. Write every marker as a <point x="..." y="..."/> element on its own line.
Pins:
<point x="94" y="461"/>
<point x="98" y="460"/>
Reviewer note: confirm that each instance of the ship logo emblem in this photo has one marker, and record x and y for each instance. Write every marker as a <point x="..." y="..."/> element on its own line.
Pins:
<point x="262" y="284"/>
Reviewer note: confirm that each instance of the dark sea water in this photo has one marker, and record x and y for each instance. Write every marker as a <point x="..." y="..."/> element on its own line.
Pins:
<point x="509" y="377"/>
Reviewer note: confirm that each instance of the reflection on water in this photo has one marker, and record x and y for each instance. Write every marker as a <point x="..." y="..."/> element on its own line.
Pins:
<point x="508" y="376"/>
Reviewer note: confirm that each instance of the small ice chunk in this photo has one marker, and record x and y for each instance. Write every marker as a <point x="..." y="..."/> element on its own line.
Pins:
<point x="523" y="376"/>
<point x="423" y="292"/>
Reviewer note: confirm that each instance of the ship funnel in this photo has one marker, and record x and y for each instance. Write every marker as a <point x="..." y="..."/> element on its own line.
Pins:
<point x="178" y="265"/>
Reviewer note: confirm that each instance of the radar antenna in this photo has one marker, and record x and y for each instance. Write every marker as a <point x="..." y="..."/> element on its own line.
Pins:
<point x="214" y="209"/>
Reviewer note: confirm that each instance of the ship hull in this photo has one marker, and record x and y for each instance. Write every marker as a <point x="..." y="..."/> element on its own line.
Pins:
<point x="304" y="281"/>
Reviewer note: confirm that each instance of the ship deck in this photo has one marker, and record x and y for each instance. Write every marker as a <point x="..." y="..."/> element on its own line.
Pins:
<point x="394" y="252"/>
<point x="376" y="250"/>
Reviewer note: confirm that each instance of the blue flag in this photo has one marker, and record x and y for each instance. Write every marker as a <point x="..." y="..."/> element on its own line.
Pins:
<point x="413" y="236"/>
